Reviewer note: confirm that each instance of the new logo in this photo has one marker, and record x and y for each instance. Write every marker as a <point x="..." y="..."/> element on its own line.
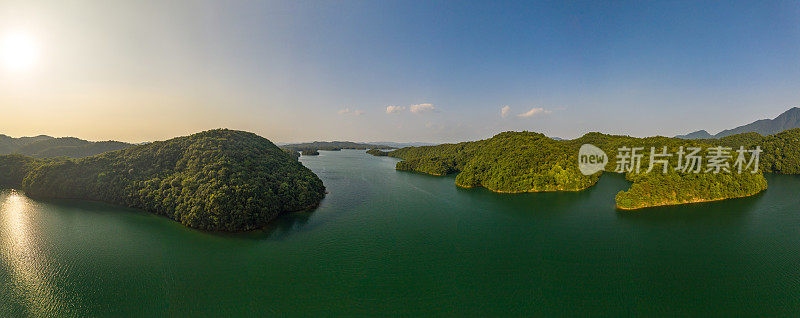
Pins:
<point x="591" y="159"/>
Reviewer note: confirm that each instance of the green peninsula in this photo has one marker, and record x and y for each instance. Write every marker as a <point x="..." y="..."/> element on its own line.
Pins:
<point x="219" y="180"/>
<point x="512" y="162"/>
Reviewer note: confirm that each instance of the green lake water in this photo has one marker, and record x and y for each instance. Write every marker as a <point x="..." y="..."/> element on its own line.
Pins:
<point x="385" y="242"/>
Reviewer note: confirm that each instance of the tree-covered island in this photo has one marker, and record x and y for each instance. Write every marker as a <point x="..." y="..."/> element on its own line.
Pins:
<point x="220" y="180"/>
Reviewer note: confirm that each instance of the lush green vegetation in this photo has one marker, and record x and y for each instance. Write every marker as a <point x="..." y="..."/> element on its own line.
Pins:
<point x="676" y="187"/>
<point x="655" y="189"/>
<point x="292" y="153"/>
<point x="529" y="162"/>
<point x="48" y="147"/>
<point x="14" y="168"/>
<point x="549" y="165"/>
<point x="781" y="152"/>
<point x="378" y="152"/>
<point x="309" y="152"/>
<point x="508" y="162"/>
<point x="214" y="180"/>
<point x="437" y="160"/>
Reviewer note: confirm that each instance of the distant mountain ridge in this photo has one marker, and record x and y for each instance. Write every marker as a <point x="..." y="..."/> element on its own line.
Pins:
<point x="788" y="120"/>
<point x="403" y="144"/>
<point x="44" y="146"/>
<point x="700" y="134"/>
<point x="332" y="145"/>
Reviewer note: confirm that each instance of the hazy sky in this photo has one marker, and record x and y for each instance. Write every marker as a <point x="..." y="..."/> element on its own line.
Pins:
<point x="394" y="71"/>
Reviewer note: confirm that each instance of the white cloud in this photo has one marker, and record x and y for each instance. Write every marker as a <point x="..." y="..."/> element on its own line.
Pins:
<point x="416" y="108"/>
<point x="421" y="108"/>
<point x="394" y="109"/>
<point x="535" y="111"/>
<point x="346" y="111"/>
<point x="505" y="111"/>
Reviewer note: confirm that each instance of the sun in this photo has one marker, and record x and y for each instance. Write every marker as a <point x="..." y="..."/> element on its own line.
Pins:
<point x="19" y="51"/>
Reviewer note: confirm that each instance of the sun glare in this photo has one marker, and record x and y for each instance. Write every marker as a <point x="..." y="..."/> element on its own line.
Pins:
<point x="19" y="52"/>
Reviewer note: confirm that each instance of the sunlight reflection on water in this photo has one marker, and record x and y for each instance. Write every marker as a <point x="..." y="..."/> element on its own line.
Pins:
<point x="21" y="256"/>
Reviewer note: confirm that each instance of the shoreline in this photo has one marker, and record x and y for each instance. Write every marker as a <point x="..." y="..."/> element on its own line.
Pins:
<point x="587" y="187"/>
<point x="528" y="191"/>
<point x="689" y="202"/>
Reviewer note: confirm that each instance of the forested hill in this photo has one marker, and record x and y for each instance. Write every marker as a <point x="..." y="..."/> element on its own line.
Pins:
<point x="530" y="162"/>
<point x="507" y="162"/>
<point x="220" y="179"/>
<point x="332" y="145"/>
<point x="48" y="147"/>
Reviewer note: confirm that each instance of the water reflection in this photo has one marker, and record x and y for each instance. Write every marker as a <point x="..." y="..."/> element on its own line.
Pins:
<point x="536" y="204"/>
<point x="280" y="228"/>
<point x="287" y="224"/>
<point x="549" y="204"/>
<point x="730" y="211"/>
<point x="22" y="257"/>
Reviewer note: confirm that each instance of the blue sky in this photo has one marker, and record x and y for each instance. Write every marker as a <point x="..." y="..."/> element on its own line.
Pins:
<point x="314" y="70"/>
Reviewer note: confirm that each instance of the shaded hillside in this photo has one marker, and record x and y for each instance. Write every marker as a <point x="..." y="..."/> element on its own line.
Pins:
<point x="48" y="147"/>
<point x="10" y="144"/>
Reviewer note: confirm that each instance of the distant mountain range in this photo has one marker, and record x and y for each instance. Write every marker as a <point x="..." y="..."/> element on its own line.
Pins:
<point x="332" y="145"/>
<point x="700" y="134"/>
<point x="337" y="145"/>
<point x="788" y="120"/>
<point x="47" y="147"/>
<point x="403" y="144"/>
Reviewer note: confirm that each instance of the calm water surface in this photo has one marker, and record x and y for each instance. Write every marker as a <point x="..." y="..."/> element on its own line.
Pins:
<point x="399" y="243"/>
